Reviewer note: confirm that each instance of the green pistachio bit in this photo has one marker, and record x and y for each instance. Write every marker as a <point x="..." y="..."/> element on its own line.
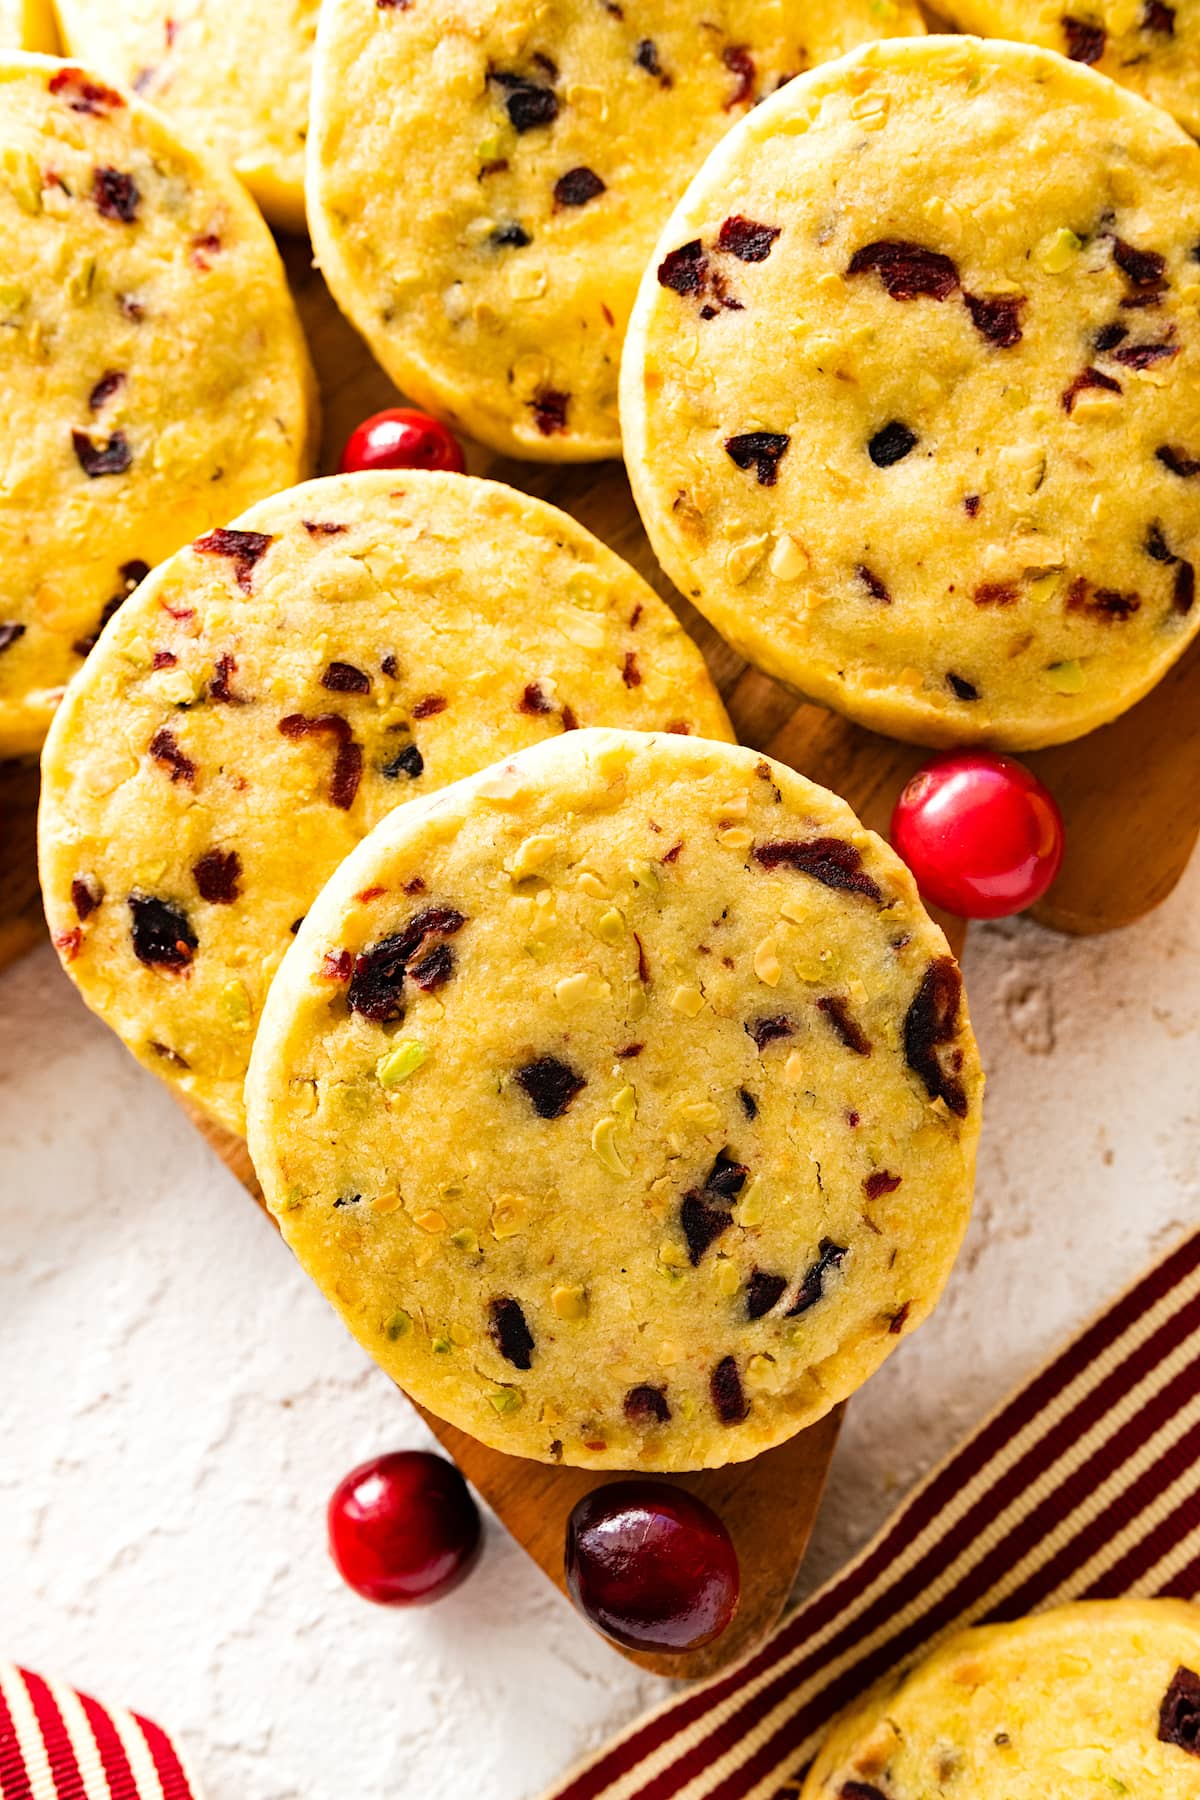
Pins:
<point x="398" y="1064"/>
<point x="505" y="1400"/>
<point x="604" y="1145"/>
<point x="1058" y="251"/>
<point x="465" y="1240"/>
<point x="441" y="1346"/>
<point x="399" y="1325"/>
<point x="291" y="1200"/>
<point x="235" y="1005"/>
<point x="1066" y="677"/>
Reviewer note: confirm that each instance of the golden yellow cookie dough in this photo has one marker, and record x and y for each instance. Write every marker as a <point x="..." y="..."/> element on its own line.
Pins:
<point x="1098" y="1698"/>
<point x="487" y="179"/>
<point x="271" y="692"/>
<point x="623" y="1101"/>
<point x="911" y="394"/>
<point x="233" y="75"/>
<point x="27" y="25"/>
<point x="1151" y="46"/>
<point x="154" y="375"/>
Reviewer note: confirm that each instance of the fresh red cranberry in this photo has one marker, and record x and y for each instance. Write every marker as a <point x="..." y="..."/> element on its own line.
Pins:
<point x="981" y="834"/>
<point x="651" y="1566"/>
<point x="402" y="439"/>
<point x="403" y="1528"/>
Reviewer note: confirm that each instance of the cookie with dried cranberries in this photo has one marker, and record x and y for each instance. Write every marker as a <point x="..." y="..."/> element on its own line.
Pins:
<point x="156" y="379"/>
<point x="486" y="182"/>
<point x="623" y="1100"/>
<point x="235" y="79"/>
<point x="1151" y="46"/>
<point x="1102" y="1695"/>
<point x="276" y="688"/>
<point x="911" y="396"/>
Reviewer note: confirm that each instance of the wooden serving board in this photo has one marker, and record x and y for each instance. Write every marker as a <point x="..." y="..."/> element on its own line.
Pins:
<point x="1131" y="798"/>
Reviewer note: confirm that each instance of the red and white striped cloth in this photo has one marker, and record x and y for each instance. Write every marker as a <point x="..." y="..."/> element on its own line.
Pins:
<point x="56" y="1744"/>
<point x="1085" y="1484"/>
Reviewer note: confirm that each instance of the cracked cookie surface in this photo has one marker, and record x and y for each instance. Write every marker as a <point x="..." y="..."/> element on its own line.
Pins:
<point x="623" y="1101"/>
<point x="155" y="376"/>
<point x="487" y="181"/>
<point x="276" y="688"/>
<point x="911" y="397"/>
<point x="1100" y="1697"/>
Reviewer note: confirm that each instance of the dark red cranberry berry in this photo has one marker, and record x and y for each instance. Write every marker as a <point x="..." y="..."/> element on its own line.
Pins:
<point x="651" y="1566"/>
<point x="403" y="1528"/>
<point x="402" y="438"/>
<point x="981" y="834"/>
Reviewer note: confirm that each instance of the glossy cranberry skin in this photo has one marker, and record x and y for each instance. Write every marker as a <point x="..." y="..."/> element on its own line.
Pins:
<point x="402" y="438"/>
<point x="651" y="1566"/>
<point x="403" y="1528"/>
<point x="981" y="834"/>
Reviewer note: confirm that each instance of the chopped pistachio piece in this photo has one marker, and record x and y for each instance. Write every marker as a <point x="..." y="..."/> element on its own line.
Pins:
<point x="505" y="1400"/>
<point x="604" y="1145"/>
<point x="569" y="1302"/>
<point x="397" y="1064"/>
<point x="399" y="1325"/>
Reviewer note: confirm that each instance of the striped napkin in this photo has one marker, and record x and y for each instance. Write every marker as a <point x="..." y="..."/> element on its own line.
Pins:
<point x="56" y="1744"/>
<point x="1085" y="1484"/>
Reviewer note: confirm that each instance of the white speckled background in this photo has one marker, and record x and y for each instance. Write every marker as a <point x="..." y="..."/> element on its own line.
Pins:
<point x="177" y="1403"/>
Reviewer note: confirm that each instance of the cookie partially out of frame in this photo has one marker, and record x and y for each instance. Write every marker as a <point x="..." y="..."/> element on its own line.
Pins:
<point x="27" y="25"/>
<point x="911" y="395"/>
<point x="487" y="181"/>
<point x="1151" y="46"/>
<point x="1097" y="1698"/>
<point x="155" y="379"/>
<point x="272" y="691"/>
<point x="623" y="1101"/>
<point x="234" y="77"/>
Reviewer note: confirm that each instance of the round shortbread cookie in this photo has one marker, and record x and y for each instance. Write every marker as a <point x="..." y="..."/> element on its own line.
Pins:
<point x="1151" y="46"/>
<point x="486" y="182"/>
<point x="272" y="691"/>
<point x="27" y="25"/>
<point x="911" y="395"/>
<point x="1099" y="1698"/>
<point x="155" y="377"/>
<point x="233" y="78"/>
<point x="623" y="1101"/>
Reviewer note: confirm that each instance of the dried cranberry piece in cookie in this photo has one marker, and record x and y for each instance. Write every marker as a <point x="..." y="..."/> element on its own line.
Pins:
<point x="836" y="1009"/>
<point x="764" y="1291"/>
<point x="746" y="239"/>
<point x="647" y="1406"/>
<point x="891" y="444"/>
<point x="577" y="187"/>
<point x="217" y="875"/>
<point x="812" y="1287"/>
<point x="728" y="1398"/>
<point x="831" y="861"/>
<point x="907" y="271"/>
<point x="162" y="936"/>
<point x="510" y="1332"/>
<point x="761" y="451"/>
<point x="243" y="548"/>
<point x="550" y="1084"/>
<point x="111" y="458"/>
<point x="1179" y="1714"/>
<point x="115" y="194"/>
<point x="1085" y="43"/>
<point x="930" y="1027"/>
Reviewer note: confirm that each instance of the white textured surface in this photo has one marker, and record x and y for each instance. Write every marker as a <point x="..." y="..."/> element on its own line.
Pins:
<point x="177" y="1403"/>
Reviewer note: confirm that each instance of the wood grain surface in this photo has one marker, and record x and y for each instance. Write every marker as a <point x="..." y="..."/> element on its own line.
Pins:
<point x="1131" y="797"/>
